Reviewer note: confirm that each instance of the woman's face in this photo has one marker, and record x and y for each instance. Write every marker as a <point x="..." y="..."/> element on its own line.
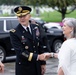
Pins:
<point x="67" y="30"/>
<point x="24" y="20"/>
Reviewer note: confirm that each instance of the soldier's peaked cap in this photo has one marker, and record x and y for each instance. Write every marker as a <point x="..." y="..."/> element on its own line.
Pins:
<point x="22" y="10"/>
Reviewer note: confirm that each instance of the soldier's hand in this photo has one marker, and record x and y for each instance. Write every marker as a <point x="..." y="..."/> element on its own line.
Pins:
<point x="43" y="69"/>
<point x="1" y="67"/>
<point x="41" y="57"/>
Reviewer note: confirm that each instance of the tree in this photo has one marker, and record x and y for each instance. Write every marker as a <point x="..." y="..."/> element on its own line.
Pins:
<point x="61" y="5"/>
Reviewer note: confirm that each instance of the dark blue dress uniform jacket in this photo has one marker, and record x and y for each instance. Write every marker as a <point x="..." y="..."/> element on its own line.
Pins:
<point x="27" y="47"/>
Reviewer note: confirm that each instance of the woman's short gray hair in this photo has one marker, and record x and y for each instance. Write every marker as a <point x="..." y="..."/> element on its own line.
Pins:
<point x="71" y="22"/>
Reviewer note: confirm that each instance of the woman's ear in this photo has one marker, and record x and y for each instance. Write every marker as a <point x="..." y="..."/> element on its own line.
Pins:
<point x="71" y="29"/>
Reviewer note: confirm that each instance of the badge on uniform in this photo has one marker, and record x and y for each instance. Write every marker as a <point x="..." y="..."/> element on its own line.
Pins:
<point x="26" y="55"/>
<point x="23" y="40"/>
<point x="37" y="31"/>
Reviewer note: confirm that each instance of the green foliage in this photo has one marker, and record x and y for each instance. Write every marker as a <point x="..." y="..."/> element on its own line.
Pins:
<point x="60" y="4"/>
<point x="53" y="3"/>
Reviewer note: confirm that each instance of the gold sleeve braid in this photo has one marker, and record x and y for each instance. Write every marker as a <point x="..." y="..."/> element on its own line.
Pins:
<point x="30" y="57"/>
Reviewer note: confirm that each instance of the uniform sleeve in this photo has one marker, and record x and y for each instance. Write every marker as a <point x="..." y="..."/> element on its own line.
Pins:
<point x="20" y="50"/>
<point x="44" y="44"/>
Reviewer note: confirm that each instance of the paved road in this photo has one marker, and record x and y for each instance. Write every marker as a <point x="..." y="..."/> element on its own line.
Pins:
<point x="51" y="67"/>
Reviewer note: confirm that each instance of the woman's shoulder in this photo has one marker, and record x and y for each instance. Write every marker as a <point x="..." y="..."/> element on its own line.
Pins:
<point x="66" y="42"/>
<point x="69" y="42"/>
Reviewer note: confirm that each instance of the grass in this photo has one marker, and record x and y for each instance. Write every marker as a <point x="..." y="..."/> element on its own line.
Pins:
<point x="51" y="16"/>
<point x="55" y="16"/>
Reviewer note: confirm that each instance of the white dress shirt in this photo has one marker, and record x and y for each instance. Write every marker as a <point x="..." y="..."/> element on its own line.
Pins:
<point x="26" y="28"/>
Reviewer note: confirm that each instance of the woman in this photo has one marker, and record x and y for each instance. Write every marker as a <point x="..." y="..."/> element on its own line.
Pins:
<point x="67" y="53"/>
<point x="1" y="67"/>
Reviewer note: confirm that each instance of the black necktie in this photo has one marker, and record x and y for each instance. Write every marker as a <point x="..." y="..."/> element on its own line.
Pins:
<point x="28" y="30"/>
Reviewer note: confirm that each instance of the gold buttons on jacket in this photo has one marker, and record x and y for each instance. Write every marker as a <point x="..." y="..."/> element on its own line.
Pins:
<point x="26" y="47"/>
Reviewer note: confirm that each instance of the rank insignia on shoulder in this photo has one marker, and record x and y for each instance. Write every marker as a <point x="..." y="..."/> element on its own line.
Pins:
<point x="37" y="24"/>
<point x="12" y="30"/>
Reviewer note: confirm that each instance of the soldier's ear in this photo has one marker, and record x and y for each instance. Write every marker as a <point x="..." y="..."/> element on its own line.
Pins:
<point x="29" y="15"/>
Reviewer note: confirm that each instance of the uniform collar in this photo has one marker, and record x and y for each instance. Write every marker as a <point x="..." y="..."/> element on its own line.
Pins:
<point x="25" y="27"/>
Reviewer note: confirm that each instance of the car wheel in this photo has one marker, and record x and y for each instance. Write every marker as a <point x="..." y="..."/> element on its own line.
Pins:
<point x="56" y="45"/>
<point x="2" y="54"/>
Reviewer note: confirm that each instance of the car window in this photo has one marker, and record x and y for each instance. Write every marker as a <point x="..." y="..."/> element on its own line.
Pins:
<point x="8" y="25"/>
<point x="1" y="25"/>
<point x="14" y="23"/>
<point x="11" y="24"/>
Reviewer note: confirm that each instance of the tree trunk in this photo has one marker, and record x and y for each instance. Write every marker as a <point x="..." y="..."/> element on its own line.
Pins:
<point x="63" y="12"/>
<point x="63" y="16"/>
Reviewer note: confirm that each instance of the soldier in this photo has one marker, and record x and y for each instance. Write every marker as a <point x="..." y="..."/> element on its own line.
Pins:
<point x="29" y="42"/>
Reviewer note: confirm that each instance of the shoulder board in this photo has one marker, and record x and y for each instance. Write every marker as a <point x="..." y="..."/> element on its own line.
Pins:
<point x="13" y="30"/>
<point x="37" y="24"/>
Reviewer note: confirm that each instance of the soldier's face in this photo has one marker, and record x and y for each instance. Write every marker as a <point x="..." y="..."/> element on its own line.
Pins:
<point x="24" y="20"/>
